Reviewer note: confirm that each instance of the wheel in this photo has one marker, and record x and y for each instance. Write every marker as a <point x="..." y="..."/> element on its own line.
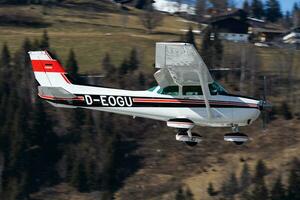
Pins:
<point x="192" y="144"/>
<point x="239" y="143"/>
<point x="237" y="138"/>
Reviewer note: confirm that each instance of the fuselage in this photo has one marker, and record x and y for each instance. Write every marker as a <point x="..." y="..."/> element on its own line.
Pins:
<point x="227" y="110"/>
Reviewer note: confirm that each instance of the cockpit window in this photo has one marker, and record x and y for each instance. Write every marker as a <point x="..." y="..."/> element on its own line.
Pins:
<point x="170" y="90"/>
<point x="215" y="89"/>
<point x="192" y="90"/>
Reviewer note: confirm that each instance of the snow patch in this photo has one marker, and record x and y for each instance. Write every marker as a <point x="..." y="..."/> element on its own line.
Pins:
<point x="172" y="7"/>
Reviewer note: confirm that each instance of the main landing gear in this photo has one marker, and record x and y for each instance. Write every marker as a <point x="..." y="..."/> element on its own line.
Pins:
<point x="236" y="137"/>
<point x="186" y="135"/>
<point x="192" y="139"/>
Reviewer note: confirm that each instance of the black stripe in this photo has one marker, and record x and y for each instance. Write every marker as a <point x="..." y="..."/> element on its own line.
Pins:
<point x="188" y="103"/>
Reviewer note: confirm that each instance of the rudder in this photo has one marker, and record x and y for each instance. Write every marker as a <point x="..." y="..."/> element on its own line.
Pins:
<point x="47" y="71"/>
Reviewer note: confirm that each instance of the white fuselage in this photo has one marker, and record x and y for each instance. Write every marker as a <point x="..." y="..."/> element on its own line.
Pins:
<point x="226" y="110"/>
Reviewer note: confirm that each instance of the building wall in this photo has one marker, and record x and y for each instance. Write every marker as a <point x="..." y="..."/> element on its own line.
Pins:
<point x="235" y="37"/>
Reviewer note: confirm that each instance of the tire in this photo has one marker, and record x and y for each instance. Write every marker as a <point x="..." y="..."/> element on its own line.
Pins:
<point x="192" y="144"/>
<point x="239" y="143"/>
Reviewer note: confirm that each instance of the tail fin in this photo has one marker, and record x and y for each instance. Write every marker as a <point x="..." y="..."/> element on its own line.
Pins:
<point x="47" y="71"/>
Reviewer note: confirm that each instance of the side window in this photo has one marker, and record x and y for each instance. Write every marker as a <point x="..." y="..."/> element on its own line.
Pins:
<point x="170" y="90"/>
<point x="192" y="90"/>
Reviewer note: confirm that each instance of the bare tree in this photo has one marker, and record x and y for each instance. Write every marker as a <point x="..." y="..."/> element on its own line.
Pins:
<point x="296" y="18"/>
<point x="201" y="8"/>
<point x="219" y="4"/>
<point x="179" y="4"/>
<point x="151" y="19"/>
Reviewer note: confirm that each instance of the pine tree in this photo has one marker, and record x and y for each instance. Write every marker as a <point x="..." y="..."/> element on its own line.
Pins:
<point x="189" y="37"/>
<point x="218" y="50"/>
<point x="44" y="156"/>
<point x="179" y="194"/>
<point x="273" y="10"/>
<point x="293" y="190"/>
<point x="296" y="15"/>
<point x="219" y="4"/>
<point x="72" y="66"/>
<point x="278" y="190"/>
<point x="288" y="22"/>
<point x="245" y="179"/>
<point x="5" y="71"/>
<point x="257" y="9"/>
<point x="124" y="68"/>
<point x="108" y="67"/>
<point x="201" y="7"/>
<point x="261" y="171"/>
<point x="206" y="48"/>
<point x="246" y="6"/>
<point x="141" y="4"/>
<point x="211" y="190"/>
<point x="133" y="62"/>
<point x="230" y="187"/>
<point x="5" y="57"/>
<point x="212" y="49"/>
<point x="142" y="80"/>
<point x="188" y="194"/>
<point x="44" y="43"/>
<point x="79" y="177"/>
<point x="260" y="190"/>
<point x="285" y="111"/>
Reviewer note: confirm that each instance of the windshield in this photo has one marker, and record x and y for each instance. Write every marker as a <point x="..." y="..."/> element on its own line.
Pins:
<point x="170" y="90"/>
<point x="215" y="88"/>
<point x="152" y="89"/>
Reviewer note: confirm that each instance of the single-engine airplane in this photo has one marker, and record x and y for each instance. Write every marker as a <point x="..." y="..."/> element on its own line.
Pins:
<point x="186" y="94"/>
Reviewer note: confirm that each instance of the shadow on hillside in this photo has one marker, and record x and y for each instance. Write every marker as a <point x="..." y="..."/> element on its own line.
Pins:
<point x="86" y="6"/>
<point x="165" y="33"/>
<point x="22" y="19"/>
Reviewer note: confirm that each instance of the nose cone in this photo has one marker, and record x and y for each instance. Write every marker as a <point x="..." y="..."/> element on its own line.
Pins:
<point x="265" y="106"/>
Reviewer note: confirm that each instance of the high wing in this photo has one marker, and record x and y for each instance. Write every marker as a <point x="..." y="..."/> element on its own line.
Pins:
<point x="180" y="64"/>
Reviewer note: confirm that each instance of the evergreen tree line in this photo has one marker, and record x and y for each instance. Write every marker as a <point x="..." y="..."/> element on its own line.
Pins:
<point x="253" y="187"/>
<point x="128" y="75"/>
<point x="270" y="10"/>
<point x="41" y="146"/>
<point x="184" y="194"/>
<point x="24" y="2"/>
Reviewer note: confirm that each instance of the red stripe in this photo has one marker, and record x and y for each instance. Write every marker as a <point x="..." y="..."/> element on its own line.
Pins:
<point x="46" y="66"/>
<point x="66" y="79"/>
<point x="78" y="98"/>
<point x="180" y="101"/>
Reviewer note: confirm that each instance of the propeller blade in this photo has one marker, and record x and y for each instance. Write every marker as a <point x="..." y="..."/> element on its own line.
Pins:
<point x="265" y="106"/>
<point x="265" y="88"/>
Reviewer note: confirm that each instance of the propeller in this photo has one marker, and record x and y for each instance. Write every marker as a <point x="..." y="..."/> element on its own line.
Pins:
<point x="265" y="107"/>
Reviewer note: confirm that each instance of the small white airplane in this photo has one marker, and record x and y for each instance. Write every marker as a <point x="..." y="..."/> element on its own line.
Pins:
<point x="186" y="94"/>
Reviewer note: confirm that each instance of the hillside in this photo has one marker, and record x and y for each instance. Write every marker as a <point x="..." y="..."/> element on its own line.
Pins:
<point x="92" y="32"/>
<point x="158" y="165"/>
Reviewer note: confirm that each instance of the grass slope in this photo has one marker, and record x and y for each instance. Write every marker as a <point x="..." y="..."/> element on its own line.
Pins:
<point x="92" y="33"/>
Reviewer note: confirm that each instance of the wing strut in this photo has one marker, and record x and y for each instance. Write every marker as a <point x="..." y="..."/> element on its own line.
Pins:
<point x="205" y="90"/>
